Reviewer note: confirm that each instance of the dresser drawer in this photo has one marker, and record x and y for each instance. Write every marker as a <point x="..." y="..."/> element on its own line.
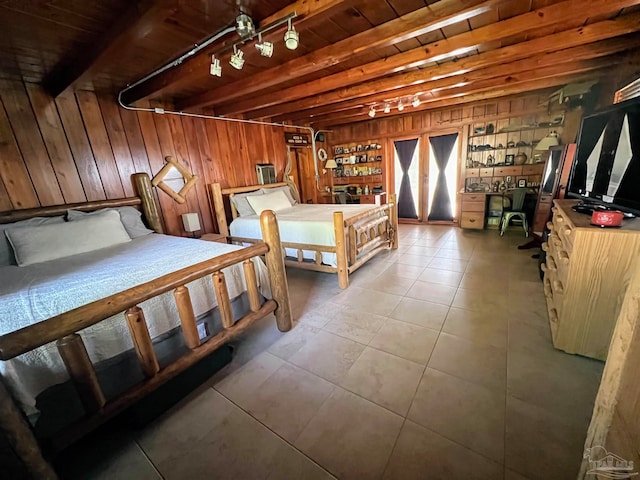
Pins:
<point x="535" y="169"/>
<point x="473" y="197"/>
<point x="473" y="207"/>
<point x="472" y="172"/>
<point x="472" y="220"/>
<point x="486" y="172"/>
<point x="507" y="171"/>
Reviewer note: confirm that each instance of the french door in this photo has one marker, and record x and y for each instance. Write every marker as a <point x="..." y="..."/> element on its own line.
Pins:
<point x="407" y="173"/>
<point x="442" y="182"/>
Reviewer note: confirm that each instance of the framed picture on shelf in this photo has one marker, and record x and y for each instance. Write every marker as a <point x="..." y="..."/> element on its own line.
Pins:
<point x="522" y="183"/>
<point x="337" y="150"/>
<point x="509" y="159"/>
<point x="338" y="160"/>
<point x="378" y="158"/>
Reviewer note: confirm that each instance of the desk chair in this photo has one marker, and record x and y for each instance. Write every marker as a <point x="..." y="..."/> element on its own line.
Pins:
<point x="515" y="212"/>
<point x="342" y="197"/>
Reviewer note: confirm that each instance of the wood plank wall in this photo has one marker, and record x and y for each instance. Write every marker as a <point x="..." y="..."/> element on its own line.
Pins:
<point x="83" y="146"/>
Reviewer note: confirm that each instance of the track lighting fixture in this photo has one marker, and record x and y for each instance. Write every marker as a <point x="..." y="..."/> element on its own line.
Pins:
<point x="400" y="106"/>
<point x="291" y="37"/>
<point x="237" y="60"/>
<point x="416" y="101"/>
<point x="265" y="48"/>
<point x="244" y="25"/>
<point x="216" y="68"/>
<point x="372" y="112"/>
<point x="387" y="107"/>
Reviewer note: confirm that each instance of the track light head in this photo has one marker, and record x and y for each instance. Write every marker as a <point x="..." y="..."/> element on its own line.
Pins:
<point x="416" y="101"/>
<point x="291" y="37"/>
<point x="387" y="108"/>
<point x="216" y="68"/>
<point x="244" y="25"/>
<point x="372" y="112"/>
<point x="265" y="48"/>
<point x="237" y="59"/>
<point x="400" y="106"/>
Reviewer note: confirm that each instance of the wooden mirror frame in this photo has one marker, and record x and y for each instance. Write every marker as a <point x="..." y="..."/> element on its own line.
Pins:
<point x="190" y="180"/>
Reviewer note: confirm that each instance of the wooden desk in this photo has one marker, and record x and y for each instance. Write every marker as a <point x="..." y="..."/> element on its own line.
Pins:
<point x="474" y="208"/>
<point x="371" y="198"/>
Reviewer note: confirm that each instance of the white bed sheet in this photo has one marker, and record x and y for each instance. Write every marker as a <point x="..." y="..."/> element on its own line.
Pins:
<point x="303" y="223"/>
<point x="34" y="293"/>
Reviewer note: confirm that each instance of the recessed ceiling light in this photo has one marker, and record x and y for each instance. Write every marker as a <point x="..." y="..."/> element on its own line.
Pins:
<point x="291" y="37"/>
<point x="216" y="68"/>
<point x="237" y="60"/>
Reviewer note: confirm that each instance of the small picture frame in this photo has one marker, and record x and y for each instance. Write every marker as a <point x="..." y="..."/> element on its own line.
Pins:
<point x="509" y="159"/>
<point x="338" y="150"/>
<point x="522" y="183"/>
<point x="378" y="158"/>
<point x="359" y="148"/>
<point x="339" y="160"/>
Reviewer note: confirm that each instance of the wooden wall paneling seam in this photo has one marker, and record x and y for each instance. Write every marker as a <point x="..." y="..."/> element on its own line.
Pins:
<point x="5" y="201"/>
<point x="196" y="200"/>
<point x="423" y="55"/>
<point x="99" y="141"/>
<point x="118" y="140"/>
<point x="156" y="162"/>
<point x="200" y="169"/>
<point x="24" y="129"/>
<point x="135" y="141"/>
<point x="76" y="134"/>
<point x="55" y="141"/>
<point x="13" y="171"/>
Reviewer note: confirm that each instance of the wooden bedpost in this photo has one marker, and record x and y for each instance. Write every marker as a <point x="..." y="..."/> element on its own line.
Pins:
<point x="218" y="207"/>
<point x="277" y="274"/>
<point x="149" y="206"/>
<point x="341" y="251"/>
<point x="17" y="433"/>
<point x="393" y="218"/>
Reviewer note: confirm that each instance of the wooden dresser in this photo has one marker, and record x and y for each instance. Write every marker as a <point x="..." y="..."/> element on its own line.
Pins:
<point x="586" y="273"/>
<point x="473" y="209"/>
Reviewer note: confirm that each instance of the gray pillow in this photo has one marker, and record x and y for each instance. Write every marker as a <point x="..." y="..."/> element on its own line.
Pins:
<point x="285" y="189"/>
<point x="6" y="252"/>
<point x="130" y="217"/>
<point x="50" y="242"/>
<point x="241" y="203"/>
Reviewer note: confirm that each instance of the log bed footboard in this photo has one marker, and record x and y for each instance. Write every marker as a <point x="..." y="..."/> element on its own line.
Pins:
<point x="358" y="239"/>
<point x="63" y="330"/>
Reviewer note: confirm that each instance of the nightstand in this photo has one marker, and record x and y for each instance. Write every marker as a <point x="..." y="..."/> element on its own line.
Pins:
<point x="214" y="237"/>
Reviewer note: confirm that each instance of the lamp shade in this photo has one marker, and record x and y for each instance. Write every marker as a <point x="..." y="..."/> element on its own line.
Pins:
<point x="547" y="142"/>
<point x="191" y="222"/>
<point x="331" y="163"/>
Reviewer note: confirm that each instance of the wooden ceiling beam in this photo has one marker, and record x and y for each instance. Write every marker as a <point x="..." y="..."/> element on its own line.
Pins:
<point x="498" y="82"/>
<point x="411" y="25"/>
<point x="187" y="71"/>
<point x="568" y="11"/>
<point x="582" y="38"/>
<point x="556" y="59"/>
<point x="140" y="16"/>
<point x="528" y="86"/>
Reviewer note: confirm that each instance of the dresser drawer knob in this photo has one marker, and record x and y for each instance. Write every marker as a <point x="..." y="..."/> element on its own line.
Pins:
<point x="553" y="315"/>
<point x="545" y="247"/>
<point x="567" y="231"/>
<point x="557" y="286"/>
<point x="550" y="226"/>
<point x="564" y="256"/>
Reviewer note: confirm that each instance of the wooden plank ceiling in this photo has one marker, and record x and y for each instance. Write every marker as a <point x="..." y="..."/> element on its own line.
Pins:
<point x="354" y="55"/>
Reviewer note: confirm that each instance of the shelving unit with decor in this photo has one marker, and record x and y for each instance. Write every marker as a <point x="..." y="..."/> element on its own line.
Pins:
<point x="505" y="148"/>
<point x="360" y="171"/>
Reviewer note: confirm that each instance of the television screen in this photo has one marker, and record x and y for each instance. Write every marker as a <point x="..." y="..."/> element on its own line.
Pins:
<point x="607" y="164"/>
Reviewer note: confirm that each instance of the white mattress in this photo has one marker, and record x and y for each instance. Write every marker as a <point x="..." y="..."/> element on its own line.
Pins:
<point x="303" y="223"/>
<point x="34" y="293"/>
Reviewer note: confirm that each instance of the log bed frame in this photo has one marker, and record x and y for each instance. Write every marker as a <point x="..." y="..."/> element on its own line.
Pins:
<point x="63" y="328"/>
<point x="358" y="238"/>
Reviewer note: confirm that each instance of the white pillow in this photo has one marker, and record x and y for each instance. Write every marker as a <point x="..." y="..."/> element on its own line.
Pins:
<point x="6" y="252"/>
<point x="285" y="189"/>
<point x="242" y="205"/>
<point x="49" y="242"/>
<point x="272" y="201"/>
<point x="130" y="217"/>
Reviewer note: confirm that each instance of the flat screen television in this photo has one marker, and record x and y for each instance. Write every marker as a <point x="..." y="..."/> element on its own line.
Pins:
<point x="606" y="170"/>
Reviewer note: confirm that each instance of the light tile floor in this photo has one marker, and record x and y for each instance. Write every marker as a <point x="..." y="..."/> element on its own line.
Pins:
<point x="436" y="363"/>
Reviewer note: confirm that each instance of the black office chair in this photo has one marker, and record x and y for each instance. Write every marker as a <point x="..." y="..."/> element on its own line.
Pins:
<point x="515" y="212"/>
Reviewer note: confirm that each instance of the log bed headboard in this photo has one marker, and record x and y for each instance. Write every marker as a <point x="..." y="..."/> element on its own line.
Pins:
<point x="144" y="201"/>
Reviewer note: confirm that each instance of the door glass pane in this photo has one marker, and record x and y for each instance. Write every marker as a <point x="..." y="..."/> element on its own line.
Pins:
<point x="451" y="174"/>
<point x="413" y="173"/>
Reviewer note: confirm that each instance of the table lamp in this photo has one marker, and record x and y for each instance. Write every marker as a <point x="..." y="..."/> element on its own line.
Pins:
<point x="191" y="223"/>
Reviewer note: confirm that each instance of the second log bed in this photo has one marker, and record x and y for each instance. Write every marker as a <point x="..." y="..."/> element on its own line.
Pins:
<point x="70" y="333"/>
<point x="353" y="234"/>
